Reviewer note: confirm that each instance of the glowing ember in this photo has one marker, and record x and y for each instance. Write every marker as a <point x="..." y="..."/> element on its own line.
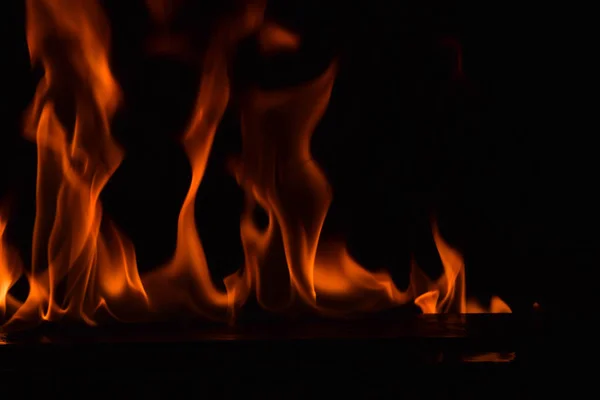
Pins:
<point x="77" y="247"/>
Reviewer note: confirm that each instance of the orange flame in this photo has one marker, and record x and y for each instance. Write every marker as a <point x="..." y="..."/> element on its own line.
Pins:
<point x="10" y="271"/>
<point x="497" y="306"/>
<point x="188" y="266"/>
<point x="81" y="249"/>
<point x="192" y="286"/>
<point x="278" y="173"/>
<point x="85" y="269"/>
<point x="448" y="293"/>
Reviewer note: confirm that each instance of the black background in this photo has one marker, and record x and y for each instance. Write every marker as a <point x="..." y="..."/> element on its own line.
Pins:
<point x="401" y="140"/>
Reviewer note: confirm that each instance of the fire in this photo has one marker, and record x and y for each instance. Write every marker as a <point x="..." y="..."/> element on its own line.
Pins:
<point x="82" y="250"/>
<point x="448" y="293"/>
<point x="10" y="270"/>
<point x="84" y="269"/>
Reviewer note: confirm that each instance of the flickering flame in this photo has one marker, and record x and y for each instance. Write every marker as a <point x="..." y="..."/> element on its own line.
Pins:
<point x="80" y="248"/>
<point x="278" y="172"/>
<point x="10" y="270"/>
<point x="448" y="293"/>
<point x="83" y="268"/>
<point x="188" y="267"/>
<point x="497" y="306"/>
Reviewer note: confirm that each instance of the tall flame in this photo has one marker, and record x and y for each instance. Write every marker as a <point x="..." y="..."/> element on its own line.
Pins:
<point x="278" y="172"/>
<point x="188" y="273"/>
<point x="85" y="269"/>
<point x="82" y="250"/>
<point x="188" y="267"/>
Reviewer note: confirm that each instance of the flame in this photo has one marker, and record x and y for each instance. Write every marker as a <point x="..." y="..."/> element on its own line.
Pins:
<point x="83" y="268"/>
<point x="189" y="267"/>
<point x="448" y="293"/>
<point x="82" y="250"/>
<point x="278" y="173"/>
<point x="192" y="286"/>
<point x="497" y="306"/>
<point x="10" y="271"/>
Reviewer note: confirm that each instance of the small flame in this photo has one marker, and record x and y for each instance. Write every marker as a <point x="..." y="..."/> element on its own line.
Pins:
<point x="10" y="271"/>
<point x="497" y="306"/>
<point x="448" y="293"/>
